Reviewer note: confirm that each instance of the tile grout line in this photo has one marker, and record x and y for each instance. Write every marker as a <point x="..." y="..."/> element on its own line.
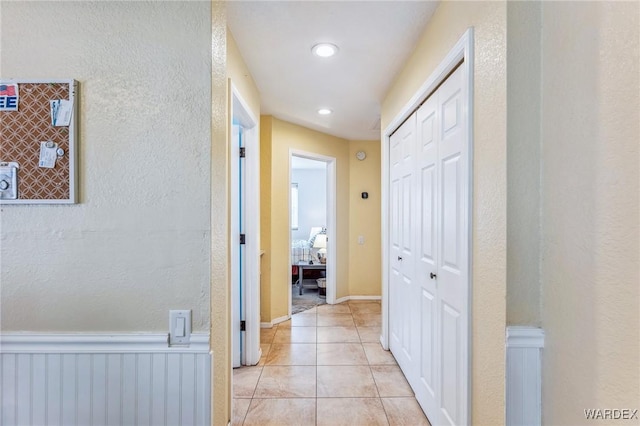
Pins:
<point x="378" y="390"/>
<point x="384" y="410"/>
<point x="244" y="419"/>
<point x="360" y="342"/>
<point x="260" y="376"/>
<point x="375" y="383"/>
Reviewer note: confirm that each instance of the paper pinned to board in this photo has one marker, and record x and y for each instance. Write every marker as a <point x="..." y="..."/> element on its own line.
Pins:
<point x="48" y="155"/>
<point x="61" y="111"/>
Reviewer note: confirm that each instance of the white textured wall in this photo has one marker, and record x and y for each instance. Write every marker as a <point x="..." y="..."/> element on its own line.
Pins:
<point x="590" y="208"/>
<point x="523" y="162"/>
<point x="138" y="244"/>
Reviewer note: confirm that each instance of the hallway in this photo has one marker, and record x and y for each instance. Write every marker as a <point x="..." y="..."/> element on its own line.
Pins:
<point x="325" y="366"/>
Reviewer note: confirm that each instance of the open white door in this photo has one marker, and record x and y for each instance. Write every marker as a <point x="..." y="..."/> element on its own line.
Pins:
<point x="245" y="230"/>
<point x="238" y="253"/>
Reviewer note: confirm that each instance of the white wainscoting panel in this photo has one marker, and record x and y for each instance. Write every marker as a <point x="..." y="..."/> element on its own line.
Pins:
<point x="524" y="376"/>
<point x="99" y="380"/>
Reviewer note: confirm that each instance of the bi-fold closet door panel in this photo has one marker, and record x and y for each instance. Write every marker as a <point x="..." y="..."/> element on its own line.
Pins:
<point x="426" y="236"/>
<point x="402" y="264"/>
<point x="428" y="289"/>
<point x="453" y="262"/>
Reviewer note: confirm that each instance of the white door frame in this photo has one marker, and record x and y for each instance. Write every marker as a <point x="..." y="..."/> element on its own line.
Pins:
<point x="241" y="114"/>
<point x="461" y="52"/>
<point x="331" y="219"/>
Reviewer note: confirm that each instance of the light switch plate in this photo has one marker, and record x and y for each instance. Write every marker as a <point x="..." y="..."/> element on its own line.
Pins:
<point x="179" y="327"/>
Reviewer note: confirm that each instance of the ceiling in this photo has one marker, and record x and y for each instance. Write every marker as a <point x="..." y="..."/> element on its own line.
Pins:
<point x="375" y="38"/>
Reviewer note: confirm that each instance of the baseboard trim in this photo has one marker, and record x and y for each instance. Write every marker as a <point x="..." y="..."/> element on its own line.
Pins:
<point x="280" y="319"/>
<point x="98" y="343"/>
<point x="274" y="322"/>
<point x="347" y="298"/>
<point x="382" y="343"/>
<point x="365" y="297"/>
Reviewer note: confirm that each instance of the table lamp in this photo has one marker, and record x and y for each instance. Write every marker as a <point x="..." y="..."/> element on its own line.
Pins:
<point x="321" y="243"/>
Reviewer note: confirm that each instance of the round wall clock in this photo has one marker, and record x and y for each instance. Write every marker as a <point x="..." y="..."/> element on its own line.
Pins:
<point x="361" y="155"/>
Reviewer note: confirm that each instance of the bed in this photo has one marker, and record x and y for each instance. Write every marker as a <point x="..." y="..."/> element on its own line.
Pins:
<point x="302" y="251"/>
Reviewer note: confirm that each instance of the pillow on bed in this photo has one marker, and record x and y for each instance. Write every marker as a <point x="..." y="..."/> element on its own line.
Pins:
<point x="300" y="244"/>
<point x="300" y="251"/>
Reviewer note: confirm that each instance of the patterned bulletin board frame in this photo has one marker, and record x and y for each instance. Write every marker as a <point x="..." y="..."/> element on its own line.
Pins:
<point x="21" y="133"/>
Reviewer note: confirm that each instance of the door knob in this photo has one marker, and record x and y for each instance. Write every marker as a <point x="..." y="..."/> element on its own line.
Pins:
<point x="399" y="257"/>
<point x="433" y="276"/>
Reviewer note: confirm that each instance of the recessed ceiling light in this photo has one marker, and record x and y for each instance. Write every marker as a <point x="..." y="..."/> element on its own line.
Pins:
<point x="324" y="111"/>
<point x="324" y="50"/>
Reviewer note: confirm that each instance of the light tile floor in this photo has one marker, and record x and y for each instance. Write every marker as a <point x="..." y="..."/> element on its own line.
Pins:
<point x="325" y="367"/>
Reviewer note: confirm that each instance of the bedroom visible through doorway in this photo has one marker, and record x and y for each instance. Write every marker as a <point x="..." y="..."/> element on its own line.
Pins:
<point x="309" y="243"/>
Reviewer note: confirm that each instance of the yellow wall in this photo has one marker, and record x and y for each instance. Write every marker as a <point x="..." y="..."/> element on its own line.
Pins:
<point x="266" y="133"/>
<point x="286" y="136"/>
<point x="446" y="26"/>
<point x="355" y="274"/>
<point x="365" y="220"/>
<point x="229" y="69"/>
<point x="241" y="77"/>
<point x="590" y="208"/>
<point x="220" y="286"/>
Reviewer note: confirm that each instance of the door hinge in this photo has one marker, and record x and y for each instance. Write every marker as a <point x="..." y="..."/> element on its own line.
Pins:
<point x="243" y="326"/>
<point x="242" y="239"/>
<point x="242" y="152"/>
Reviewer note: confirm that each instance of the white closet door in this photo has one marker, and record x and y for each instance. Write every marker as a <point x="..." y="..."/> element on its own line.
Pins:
<point x="427" y="260"/>
<point x="428" y="297"/>
<point x="401" y="284"/>
<point x="452" y="276"/>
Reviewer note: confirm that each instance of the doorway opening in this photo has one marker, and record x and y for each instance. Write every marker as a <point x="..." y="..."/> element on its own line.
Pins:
<point x="308" y="215"/>
<point x="312" y="239"/>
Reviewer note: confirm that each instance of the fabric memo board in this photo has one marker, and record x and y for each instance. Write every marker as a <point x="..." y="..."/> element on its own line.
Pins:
<point x="21" y="134"/>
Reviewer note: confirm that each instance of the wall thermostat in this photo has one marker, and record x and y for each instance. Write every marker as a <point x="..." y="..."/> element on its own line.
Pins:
<point x="361" y="155"/>
<point x="365" y="195"/>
